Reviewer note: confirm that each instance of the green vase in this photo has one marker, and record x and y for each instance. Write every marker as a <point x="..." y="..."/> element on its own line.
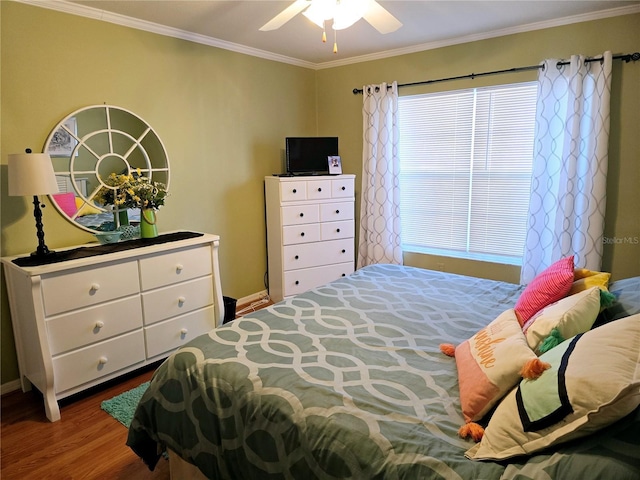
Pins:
<point x="120" y="218"/>
<point x="148" y="228"/>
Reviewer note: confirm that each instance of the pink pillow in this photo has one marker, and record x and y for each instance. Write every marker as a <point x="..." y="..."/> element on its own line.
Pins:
<point x="66" y="202"/>
<point x="489" y="364"/>
<point x="549" y="286"/>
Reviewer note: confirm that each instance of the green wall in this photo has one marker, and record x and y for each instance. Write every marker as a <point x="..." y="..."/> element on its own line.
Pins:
<point x="339" y="112"/>
<point x="223" y="117"/>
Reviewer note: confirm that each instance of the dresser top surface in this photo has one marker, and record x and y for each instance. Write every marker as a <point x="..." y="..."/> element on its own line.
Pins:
<point x="138" y="251"/>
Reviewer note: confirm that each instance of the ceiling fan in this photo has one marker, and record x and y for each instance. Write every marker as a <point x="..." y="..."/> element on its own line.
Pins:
<point x="344" y="13"/>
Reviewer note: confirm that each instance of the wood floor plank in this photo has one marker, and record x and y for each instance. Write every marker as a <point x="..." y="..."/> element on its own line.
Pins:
<point x="86" y="444"/>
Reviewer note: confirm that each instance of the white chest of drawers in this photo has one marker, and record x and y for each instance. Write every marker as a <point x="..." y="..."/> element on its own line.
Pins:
<point x="310" y="231"/>
<point x="81" y="322"/>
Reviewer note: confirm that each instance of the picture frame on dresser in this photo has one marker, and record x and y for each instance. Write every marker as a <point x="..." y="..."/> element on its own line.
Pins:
<point x="335" y="164"/>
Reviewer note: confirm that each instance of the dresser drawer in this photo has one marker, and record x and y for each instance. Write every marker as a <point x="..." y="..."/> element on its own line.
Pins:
<point x="342" y="187"/>
<point x="87" y="364"/>
<point x="336" y="230"/>
<point x="177" y="299"/>
<point x="293" y="191"/>
<point x="332" y="212"/>
<point x="315" y="254"/>
<point x="318" y="189"/>
<point x="88" y="286"/>
<point x="167" y="336"/>
<point x="299" y="214"/>
<point x="301" y="233"/>
<point x="94" y="324"/>
<point x="168" y="268"/>
<point x="298" y="281"/>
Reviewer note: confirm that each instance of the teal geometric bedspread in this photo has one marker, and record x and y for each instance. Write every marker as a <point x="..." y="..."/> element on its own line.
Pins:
<point x="346" y="381"/>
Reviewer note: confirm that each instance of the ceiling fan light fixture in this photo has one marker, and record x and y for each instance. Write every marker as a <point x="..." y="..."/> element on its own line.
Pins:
<point x="348" y="12"/>
<point x="343" y="14"/>
<point x="319" y="11"/>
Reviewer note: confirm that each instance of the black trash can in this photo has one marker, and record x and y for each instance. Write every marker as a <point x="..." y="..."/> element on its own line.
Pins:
<point x="229" y="308"/>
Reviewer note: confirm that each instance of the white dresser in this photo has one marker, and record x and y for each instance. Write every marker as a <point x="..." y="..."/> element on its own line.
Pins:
<point x="310" y="231"/>
<point x="81" y="322"/>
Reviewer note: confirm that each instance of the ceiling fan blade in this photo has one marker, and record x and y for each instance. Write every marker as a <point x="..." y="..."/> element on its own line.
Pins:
<point x="286" y="15"/>
<point x="381" y="19"/>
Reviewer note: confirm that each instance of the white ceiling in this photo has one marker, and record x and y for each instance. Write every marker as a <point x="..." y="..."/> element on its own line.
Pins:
<point x="426" y="24"/>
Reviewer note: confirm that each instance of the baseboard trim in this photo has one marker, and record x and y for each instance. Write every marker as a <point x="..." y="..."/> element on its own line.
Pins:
<point x="9" y="387"/>
<point x="253" y="297"/>
<point x="251" y="303"/>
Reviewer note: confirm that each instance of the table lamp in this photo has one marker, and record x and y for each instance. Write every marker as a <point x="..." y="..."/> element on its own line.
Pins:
<point x="32" y="174"/>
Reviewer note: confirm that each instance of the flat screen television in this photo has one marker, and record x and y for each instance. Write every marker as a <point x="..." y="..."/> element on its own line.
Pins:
<point x="308" y="155"/>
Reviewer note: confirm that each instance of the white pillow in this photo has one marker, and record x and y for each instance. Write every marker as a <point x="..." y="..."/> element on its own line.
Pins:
<point x="597" y="382"/>
<point x="571" y="315"/>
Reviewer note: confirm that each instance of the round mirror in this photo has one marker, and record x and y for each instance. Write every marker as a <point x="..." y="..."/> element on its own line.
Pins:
<point x="91" y="144"/>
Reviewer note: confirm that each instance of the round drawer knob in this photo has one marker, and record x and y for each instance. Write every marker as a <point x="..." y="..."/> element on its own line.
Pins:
<point x="343" y="250"/>
<point x="302" y="214"/>
<point x="181" y="300"/>
<point x="179" y="268"/>
<point x="296" y="257"/>
<point x="184" y="331"/>
<point x="344" y="188"/>
<point x="337" y="211"/>
<point x="297" y="282"/>
<point x="344" y="274"/>
<point x="295" y="191"/>
<point x="99" y="324"/>
<point x="103" y="360"/>
<point x="95" y="287"/>
<point x="337" y="230"/>
<point x="319" y="189"/>
<point x="302" y="234"/>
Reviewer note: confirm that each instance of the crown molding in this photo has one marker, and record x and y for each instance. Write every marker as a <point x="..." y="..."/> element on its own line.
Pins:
<point x="97" y="14"/>
<point x="123" y="20"/>
<point x="558" y="22"/>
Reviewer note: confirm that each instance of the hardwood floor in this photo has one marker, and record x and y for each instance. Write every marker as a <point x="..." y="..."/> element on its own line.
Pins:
<point x="87" y="443"/>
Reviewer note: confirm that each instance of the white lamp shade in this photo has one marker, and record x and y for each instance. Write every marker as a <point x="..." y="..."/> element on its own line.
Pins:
<point x="31" y="174"/>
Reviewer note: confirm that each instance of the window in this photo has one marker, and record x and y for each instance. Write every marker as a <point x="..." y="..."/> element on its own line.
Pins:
<point x="465" y="163"/>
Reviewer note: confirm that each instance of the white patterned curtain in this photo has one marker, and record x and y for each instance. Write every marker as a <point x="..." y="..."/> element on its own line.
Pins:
<point x="380" y="205"/>
<point x="568" y="185"/>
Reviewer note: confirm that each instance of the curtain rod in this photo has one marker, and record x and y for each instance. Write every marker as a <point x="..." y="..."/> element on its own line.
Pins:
<point x="626" y="57"/>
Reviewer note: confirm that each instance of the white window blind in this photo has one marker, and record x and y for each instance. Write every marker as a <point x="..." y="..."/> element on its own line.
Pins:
<point x="466" y="161"/>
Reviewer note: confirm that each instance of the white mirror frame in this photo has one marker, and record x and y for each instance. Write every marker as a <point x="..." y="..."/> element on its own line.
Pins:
<point x="67" y="141"/>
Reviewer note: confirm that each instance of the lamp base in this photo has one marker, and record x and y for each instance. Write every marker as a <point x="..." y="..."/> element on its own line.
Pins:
<point x="42" y="250"/>
<point x="43" y="253"/>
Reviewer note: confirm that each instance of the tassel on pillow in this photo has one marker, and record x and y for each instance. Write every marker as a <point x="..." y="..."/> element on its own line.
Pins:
<point x="534" y="368"/>
<point x="606" y="299"/>
<point x="554" y="339"/>
<point x="473" y="430"/>
<point x="448" y="349"/>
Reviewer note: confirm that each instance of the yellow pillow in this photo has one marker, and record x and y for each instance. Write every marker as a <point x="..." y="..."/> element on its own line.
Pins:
<point x="85" y="208"/>
<point x="583" y="279"/>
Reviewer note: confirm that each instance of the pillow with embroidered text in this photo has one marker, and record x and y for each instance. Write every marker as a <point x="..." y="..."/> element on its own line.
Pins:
<point x="489" y="364"/>
<point x="594" y="380"/>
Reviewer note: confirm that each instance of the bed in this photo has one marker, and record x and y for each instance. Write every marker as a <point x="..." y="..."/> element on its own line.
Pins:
<point x="348" y="381"/>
